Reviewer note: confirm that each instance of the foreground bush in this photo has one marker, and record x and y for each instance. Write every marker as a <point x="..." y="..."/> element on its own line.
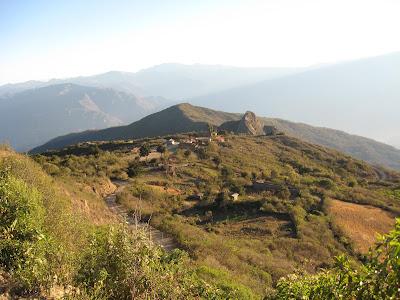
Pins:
<point x="24" y="248"/>
<point x="47" y="253"/>
<point x="379" y="278"/>
<point x="119" y="265"/>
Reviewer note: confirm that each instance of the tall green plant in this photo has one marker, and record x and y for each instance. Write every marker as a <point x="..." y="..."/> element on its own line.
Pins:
<point x="24" y="247"/>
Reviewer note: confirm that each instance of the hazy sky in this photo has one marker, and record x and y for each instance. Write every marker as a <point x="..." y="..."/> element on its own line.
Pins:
<point x="52" y="39"/>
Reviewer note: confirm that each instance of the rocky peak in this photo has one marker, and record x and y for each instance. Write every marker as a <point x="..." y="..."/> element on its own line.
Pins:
<point x="249" y="124"/>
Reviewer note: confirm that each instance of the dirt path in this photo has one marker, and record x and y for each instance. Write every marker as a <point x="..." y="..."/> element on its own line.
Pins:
<point x="158" y="237"/>
<point x="381" y="174"/>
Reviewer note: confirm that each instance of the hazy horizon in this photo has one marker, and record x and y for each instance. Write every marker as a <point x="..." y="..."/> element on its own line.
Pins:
<point x="43" y="39"/>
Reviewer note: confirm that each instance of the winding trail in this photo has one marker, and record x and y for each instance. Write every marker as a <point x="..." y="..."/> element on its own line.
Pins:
<point x="158" y="237"/>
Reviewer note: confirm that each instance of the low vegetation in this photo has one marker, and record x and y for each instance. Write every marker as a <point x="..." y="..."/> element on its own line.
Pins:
<point x="281" y="222"/>
<point x="378" y="278"/>
<point x="49" y="247"/>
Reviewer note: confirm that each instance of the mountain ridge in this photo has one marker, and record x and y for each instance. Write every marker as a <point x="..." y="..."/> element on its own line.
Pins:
<point x="170" y="80"/>
<point x="359" y="96"/>
<point x="185" y="117"/>
<point x="32" y="117"/>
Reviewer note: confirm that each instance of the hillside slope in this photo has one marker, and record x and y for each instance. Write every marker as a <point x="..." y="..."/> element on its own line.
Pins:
<point x="56" y="233"/>
<point x="250" y="209"/>
<point x="187" y="118"/>
<point x="32" y="117"/>
<point x="360" y="96"/>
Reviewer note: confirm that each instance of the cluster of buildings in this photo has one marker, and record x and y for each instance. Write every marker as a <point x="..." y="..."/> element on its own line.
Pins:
<point x="193" y="143"/>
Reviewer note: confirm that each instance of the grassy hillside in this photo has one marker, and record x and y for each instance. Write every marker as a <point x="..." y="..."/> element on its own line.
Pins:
<point x="58" y="240"/>
<point x="263" y="235"/>
<point x="377" y="279"/>
<point x="360" y="147"/>
<point x="188" y="118"/>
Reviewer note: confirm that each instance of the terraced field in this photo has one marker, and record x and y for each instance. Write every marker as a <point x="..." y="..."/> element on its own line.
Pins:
<point x="361" y="223"/>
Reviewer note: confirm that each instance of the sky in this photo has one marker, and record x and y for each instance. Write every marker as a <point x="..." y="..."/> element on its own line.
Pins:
<point x="42" y="39"/>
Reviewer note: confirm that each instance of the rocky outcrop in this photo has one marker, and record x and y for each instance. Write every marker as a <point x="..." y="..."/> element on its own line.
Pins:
<point x="249" y="124"/>
<point x="271" y="130"/>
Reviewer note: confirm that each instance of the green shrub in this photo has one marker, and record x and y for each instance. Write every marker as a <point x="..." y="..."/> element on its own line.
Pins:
<point x="283" y="192"/>
<point x="202" y="153"/>
<point x="119" y="265"/>
<point x="187" y="153"/>
<point x="225" y="283"/>
<point x="106" y="268"/>
<point x="51" y="169"/>
<point x="144" y="150"/>
<point x="297" y="215"/>
<point x="275" y="205"/>
<point x="326" y="183"/>
<point x="226" y="173"/>
<point x="161" y="149"/>
<point x="134" y="169"/>
<point x="24" y="246"/>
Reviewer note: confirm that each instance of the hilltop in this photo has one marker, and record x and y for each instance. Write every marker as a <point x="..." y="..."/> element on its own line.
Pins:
<point x="186" y="118"/>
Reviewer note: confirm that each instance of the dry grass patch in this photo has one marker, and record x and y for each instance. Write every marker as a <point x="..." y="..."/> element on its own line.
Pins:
<point x="152" y="155"/>
<point x="361" y="223"/>
<point x="169" y="191"/>
<point x="257" y="228"/>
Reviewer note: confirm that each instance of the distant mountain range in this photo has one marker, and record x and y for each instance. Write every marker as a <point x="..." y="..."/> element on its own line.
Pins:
<point x="32" y="117"/>
<point x="34" y="112"/>
<point x="188" y="118"/>
<point x="171" y="81"/>
<point x="361" y="97"/>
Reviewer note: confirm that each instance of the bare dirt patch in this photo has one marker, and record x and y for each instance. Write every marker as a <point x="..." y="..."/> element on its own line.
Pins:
<point x="361" y="223"/>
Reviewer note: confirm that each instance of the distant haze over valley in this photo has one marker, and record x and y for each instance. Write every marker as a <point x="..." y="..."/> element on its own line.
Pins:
<point x="170" y="80"/>
<point x="36" y="111"/>
<point x="360" y="97"/>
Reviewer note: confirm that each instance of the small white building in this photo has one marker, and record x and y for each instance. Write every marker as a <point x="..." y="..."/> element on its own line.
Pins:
<point x="234" y="196"/>
<point x="172" y="142"/>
